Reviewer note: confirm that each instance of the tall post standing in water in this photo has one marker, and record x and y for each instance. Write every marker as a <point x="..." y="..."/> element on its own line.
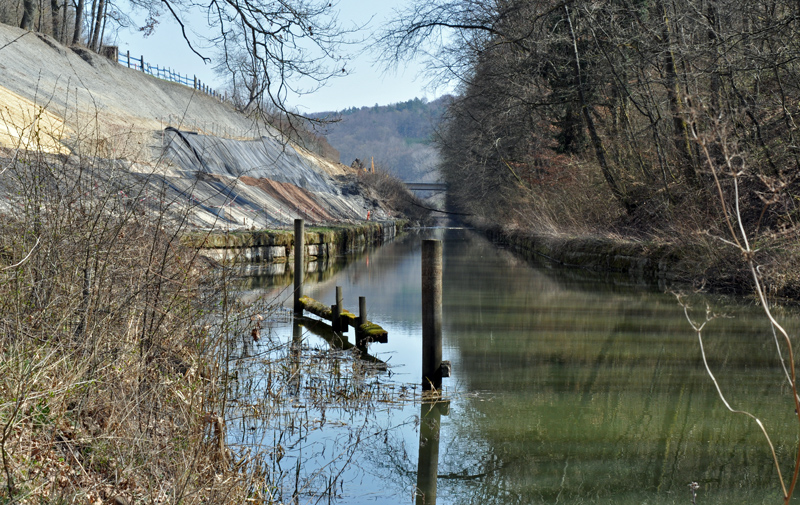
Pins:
<point x="336" y="322"/>
<point x="431" y="315"/>
<point x="299" y="268"/>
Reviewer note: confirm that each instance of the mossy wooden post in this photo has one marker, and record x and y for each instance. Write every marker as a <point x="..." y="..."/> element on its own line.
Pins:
<point x="362" y="320"/>
<point x="337" y="311"/>
<point x="431" y="315"/>
<point x="299" y="249"/>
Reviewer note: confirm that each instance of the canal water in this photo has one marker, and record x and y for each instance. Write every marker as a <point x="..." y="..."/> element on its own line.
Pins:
<point x="566" y="387"/>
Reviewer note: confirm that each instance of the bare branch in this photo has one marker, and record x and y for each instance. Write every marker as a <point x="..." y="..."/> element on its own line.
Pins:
<point x="23" y="260"/>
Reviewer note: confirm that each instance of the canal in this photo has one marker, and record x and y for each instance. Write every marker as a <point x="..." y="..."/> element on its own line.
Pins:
<point x="566" y="387"/>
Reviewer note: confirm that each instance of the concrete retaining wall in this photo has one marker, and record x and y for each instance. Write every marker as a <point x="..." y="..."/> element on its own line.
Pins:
<point x="642" y="261"/>
<point x="265" y="246"/>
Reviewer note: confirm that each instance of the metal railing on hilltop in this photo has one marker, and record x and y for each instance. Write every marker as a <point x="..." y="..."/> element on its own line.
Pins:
<point x="168" y="74"/>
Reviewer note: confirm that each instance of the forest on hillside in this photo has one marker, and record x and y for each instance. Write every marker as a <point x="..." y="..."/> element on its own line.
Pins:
<point x="398" y="136"/>
<point x="650" y="118"/>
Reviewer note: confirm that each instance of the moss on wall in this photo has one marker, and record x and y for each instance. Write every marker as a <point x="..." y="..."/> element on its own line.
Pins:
<point x="278" y="245"/>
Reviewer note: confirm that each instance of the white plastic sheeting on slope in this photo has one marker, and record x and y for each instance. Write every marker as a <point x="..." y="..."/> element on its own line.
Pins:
<point x="263" y="158"/>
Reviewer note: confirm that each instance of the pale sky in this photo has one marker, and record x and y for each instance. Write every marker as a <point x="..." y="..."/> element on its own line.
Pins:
<point x="367" y="83"/>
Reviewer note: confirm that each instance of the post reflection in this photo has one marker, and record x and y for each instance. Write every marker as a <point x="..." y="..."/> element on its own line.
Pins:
<point x="428" y="465"/>
<point x="295" y="353"/>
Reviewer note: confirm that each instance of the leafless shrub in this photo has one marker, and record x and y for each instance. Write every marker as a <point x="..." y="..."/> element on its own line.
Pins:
<point x="121" y="348"/>
<point x="107" y="380"/>
<point x="393" y="193"/>
<point x="729" y="169"/>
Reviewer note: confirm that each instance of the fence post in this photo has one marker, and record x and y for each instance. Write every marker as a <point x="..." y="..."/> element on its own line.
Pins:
<point x="142" y="61"/>
<point x="299" y="270"/>
<point x="431" y="315"/>
<point x="128" y="52"/>
<point x="195" y="82"/>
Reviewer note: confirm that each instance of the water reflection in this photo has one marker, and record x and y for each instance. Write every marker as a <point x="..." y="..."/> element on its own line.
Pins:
<point x="563" y="390"/>
<point x="337" y="340"/>
<point x="430" y="415"/>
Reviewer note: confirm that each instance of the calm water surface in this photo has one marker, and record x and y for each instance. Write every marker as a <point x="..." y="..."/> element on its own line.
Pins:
<point x="566" y="388"/>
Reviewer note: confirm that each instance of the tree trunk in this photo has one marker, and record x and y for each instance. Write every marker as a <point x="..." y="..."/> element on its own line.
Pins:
<point x="64" y="25"/>
<point x="76" y="35"/>
<point x="55" y="20"/>
<point x="98" y="21"/>
<point x="28" y="11"/>
<point x="716" y="80"/>
<point x="92" y="15"/>
<point x="679" y="125"/>
<point x="597" y="142"/>
<point x="103" y="29"/>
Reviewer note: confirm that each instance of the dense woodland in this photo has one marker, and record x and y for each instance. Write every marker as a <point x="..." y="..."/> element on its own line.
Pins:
<point x="398" y="136"/>
<point x="618" y="115"/>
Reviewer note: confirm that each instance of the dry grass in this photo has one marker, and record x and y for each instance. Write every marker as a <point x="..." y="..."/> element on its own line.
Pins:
<point x="116" y="369"/>
<point x="101" y="390"/>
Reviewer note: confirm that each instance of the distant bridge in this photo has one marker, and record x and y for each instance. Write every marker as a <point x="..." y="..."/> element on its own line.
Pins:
<point x="426" y="186"/>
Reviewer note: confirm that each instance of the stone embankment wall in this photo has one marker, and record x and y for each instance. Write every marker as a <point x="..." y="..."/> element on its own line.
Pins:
<point x="266" y="246"/>
<point x="643" y="262"/>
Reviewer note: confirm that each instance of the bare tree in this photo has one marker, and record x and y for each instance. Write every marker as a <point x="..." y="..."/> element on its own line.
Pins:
<point x="55" y="20"/>
<point x="28" y="10"/>
<point x="76" y="34"/>
<point x="617" y="86"/>
<point x="270" y="49"/>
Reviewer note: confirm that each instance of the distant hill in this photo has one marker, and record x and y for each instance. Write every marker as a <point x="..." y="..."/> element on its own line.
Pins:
<point x="398" y="136"/>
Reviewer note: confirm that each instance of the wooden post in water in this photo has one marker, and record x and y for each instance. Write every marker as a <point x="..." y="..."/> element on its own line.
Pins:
<point x="299" y="268"/>
<point x="362" y="319"/>
<point x="336" y="323"/>
<point x="431" y="315"/>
